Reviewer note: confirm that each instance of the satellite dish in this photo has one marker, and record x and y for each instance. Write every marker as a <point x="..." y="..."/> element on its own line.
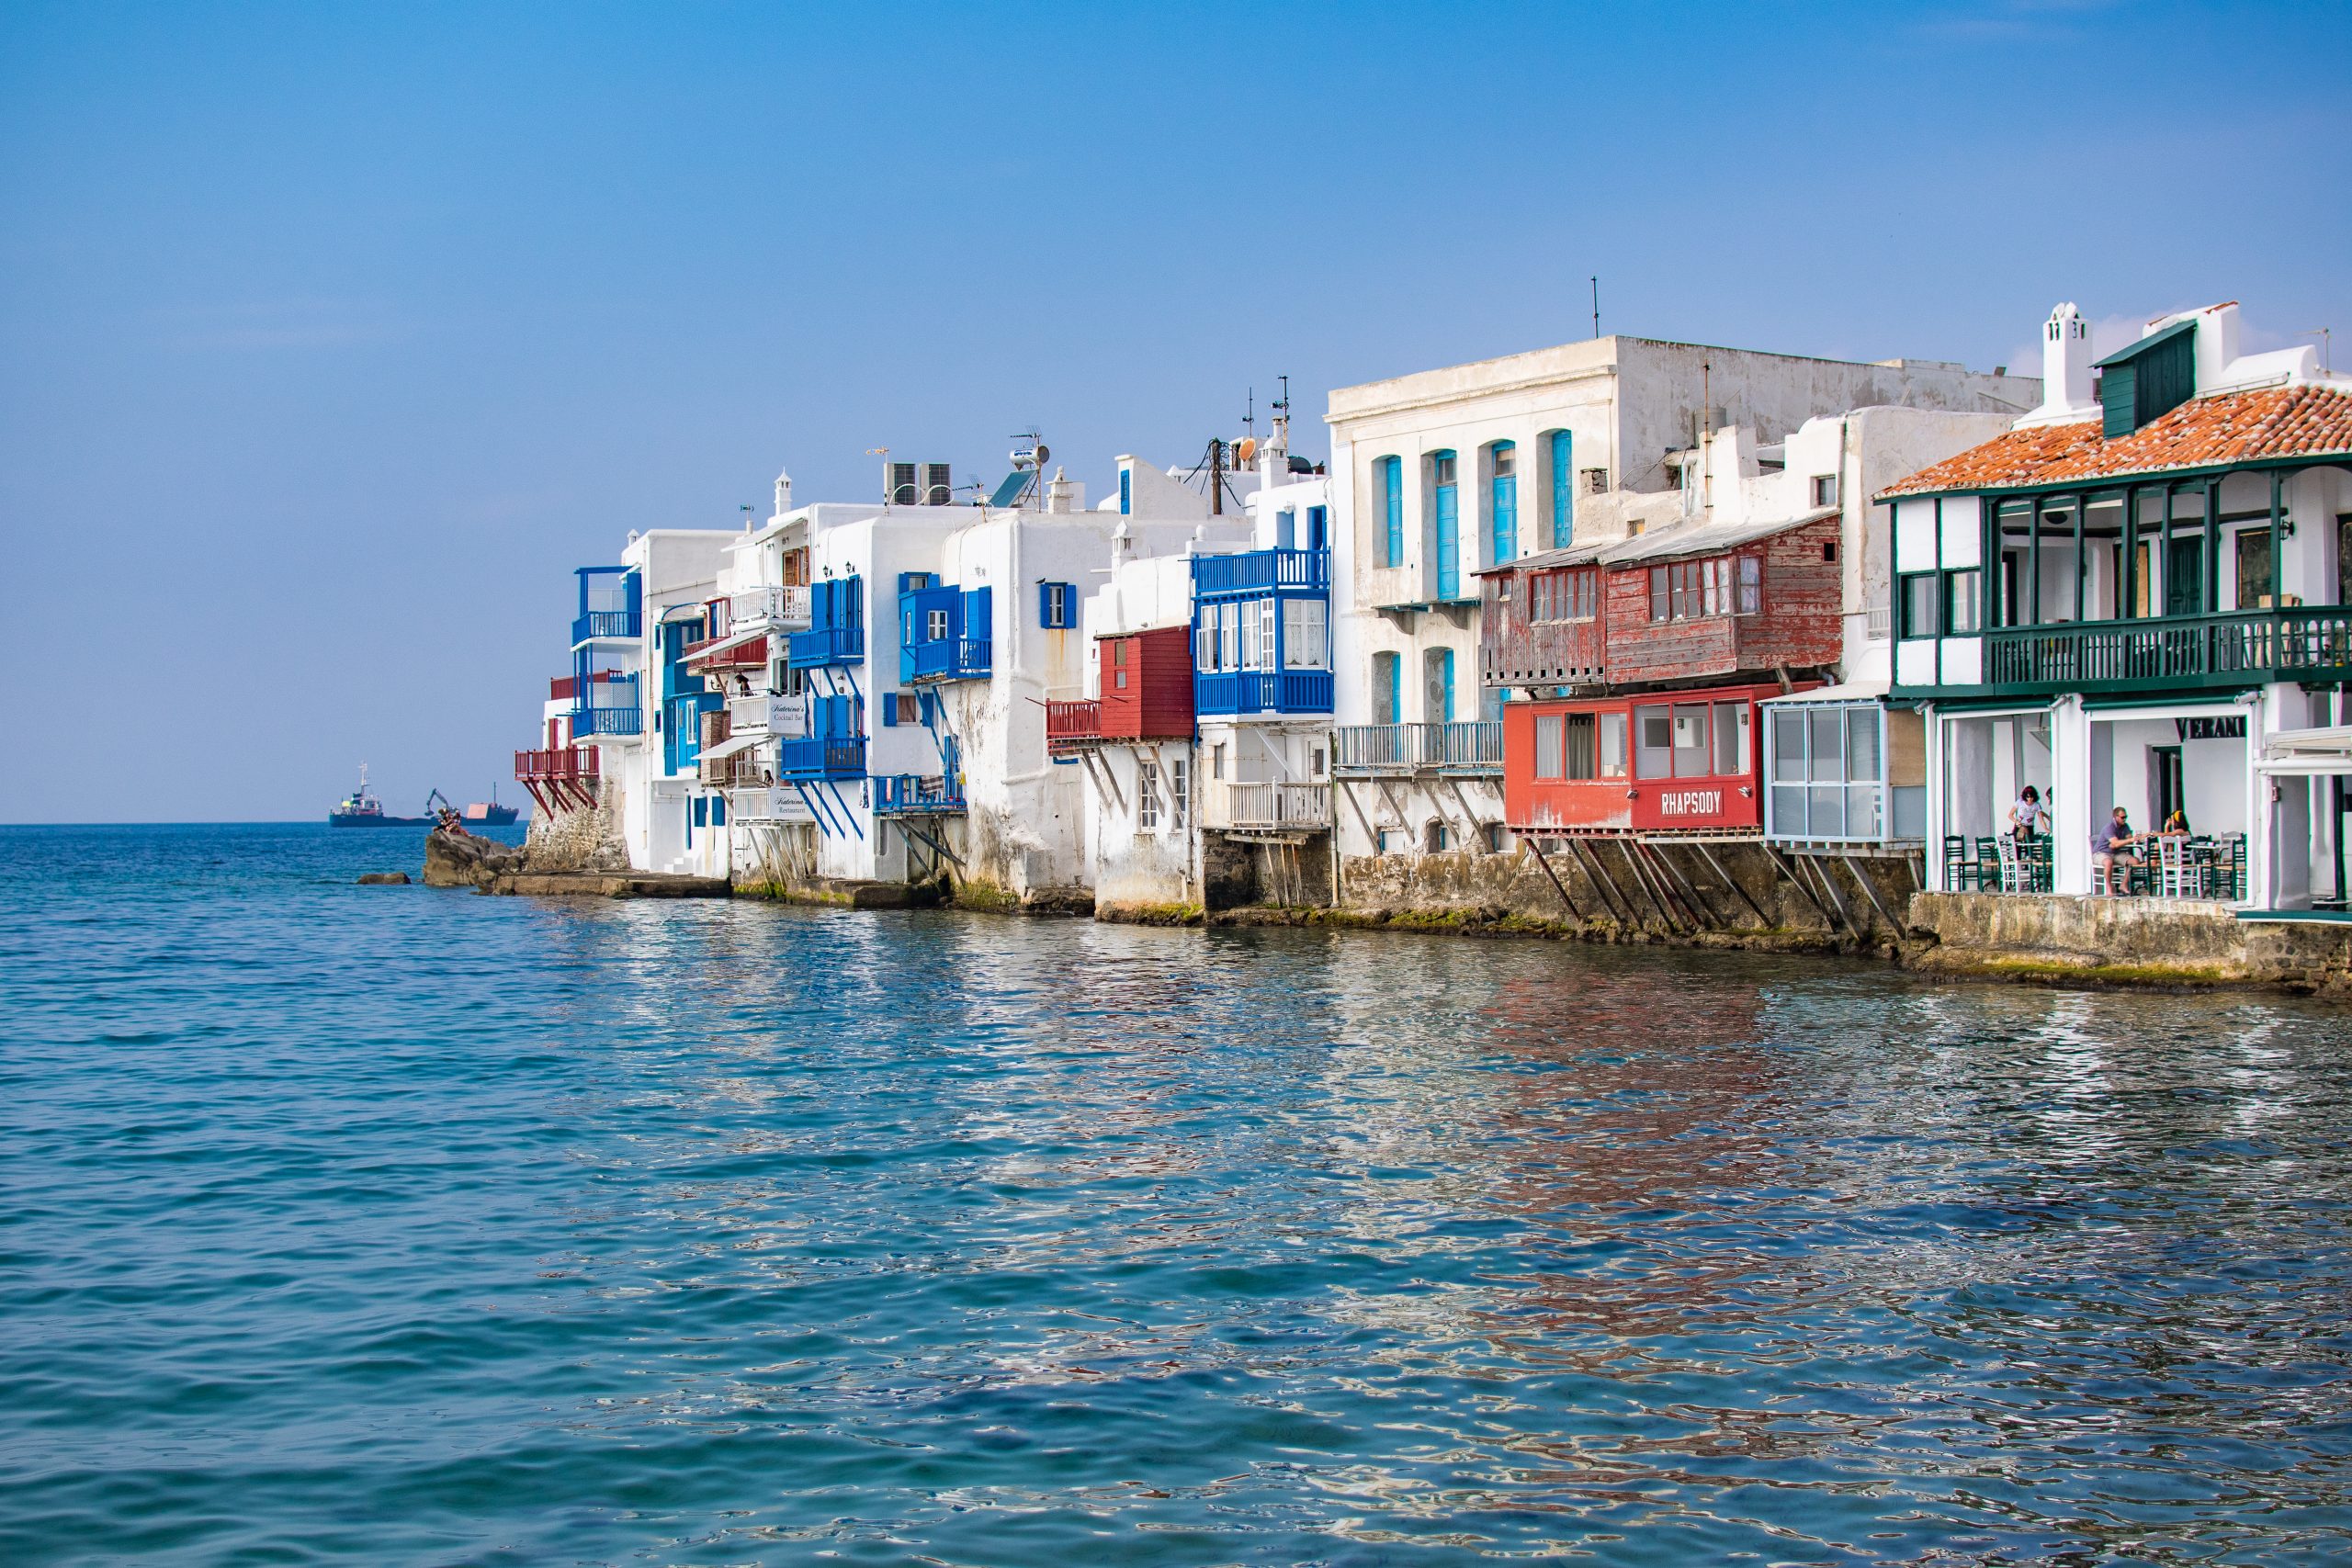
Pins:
<point x="1246" y="450"/>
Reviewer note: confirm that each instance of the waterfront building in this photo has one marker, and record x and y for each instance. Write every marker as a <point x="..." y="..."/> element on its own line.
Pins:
<point x="2137" y="598"/>
<point x="1443" y="475"/>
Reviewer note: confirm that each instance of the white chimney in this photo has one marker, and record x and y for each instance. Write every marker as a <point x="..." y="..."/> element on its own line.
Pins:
<point x="2065" y="370"/>
<point x="783" y="491"/>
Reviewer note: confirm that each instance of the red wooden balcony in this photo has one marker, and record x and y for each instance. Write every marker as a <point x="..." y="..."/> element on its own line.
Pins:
<point x="1073" y="723"/>
<point x="560" y="779"/>
<point x="566" y="688"/>
<point x="748" y="655"/>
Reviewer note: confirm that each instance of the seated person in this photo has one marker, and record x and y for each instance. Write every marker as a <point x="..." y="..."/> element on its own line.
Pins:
<point x="2177" y="825"/>
<point x="2112" y="844"/>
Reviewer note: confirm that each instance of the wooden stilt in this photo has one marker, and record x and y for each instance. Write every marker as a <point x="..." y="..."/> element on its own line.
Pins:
<point x="1870" y="893"/>
<point x="1789" y="870"/>
<point x="1610" y="894"/>
<point x="1835" y="897"/>
<point x="1682" y="883"/>
<point x="1625" y="849"/>
<point x="1553" y="877"/>
<point x="1761" y="918"/>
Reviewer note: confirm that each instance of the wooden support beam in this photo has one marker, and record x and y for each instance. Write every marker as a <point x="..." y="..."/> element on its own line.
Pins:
<point x="1690" y="893"/>
<point x="1610" y="894"/>
<point x="1626" y="849"/>
<point x="1835" y="897"/>
<point x="1551" y="876"/>
<point x="1871" y="894"/>
<point x="1761" y="918"/>
<point x="1371" y="836"/>
<point x="1796" y="878"/>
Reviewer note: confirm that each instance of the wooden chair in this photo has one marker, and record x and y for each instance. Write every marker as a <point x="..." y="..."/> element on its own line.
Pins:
<point x="1960" y="872"/>
<point x="2012" y="864"/>
<point x="2180" y="870"/>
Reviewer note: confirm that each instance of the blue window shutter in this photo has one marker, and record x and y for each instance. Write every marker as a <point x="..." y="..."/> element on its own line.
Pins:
<point x="718" y="811"/>
<point x="1392" y="479"/>
<point x="977" y="623"/>
<point x="1503" y="522"/>
<point x="1564" y="490"/>
<point x="1318" y="527"/>
<point x="1448" y="665"/>
<point x="1126" y="492"/>
<point x="927" y="706"/>
<point x="889" y="710"/>
<point x="1449" y="542"/>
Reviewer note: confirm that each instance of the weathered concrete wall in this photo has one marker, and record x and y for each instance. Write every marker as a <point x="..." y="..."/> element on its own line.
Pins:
<point x="580" y="841"/>
<point x="2136" y="941"/>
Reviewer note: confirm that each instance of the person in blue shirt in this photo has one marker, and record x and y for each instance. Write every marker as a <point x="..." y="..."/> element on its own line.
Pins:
<point x="2112" y="844"/>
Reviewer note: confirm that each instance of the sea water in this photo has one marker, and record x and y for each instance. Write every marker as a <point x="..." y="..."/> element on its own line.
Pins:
<point x="395" y="1225"/>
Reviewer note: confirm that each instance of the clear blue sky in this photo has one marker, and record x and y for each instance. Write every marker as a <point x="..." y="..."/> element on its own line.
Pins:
<point x="332" y="337"/>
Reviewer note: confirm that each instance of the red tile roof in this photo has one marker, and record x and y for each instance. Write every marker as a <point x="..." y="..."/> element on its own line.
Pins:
<point x="2232" y="427"/>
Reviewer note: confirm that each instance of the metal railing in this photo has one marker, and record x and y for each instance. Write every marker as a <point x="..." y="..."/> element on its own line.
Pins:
<point x="1262" y="691"/>
<point x="1070" y="721"/>
<point x="563" y="763"/>
<point x="1270" y="806"/>
<point x="597" y="624"/>
<point x="821" y="757"/>
<point x="2212" y="648"/>
<point x="1473" y="746"/>
<point x="948" y="659"/>
<point x="917" y="795"/>
<point x="826" y="644"/>
<point x="768" y="609"/>
<point x="607" y="707"/>
<point x="1257" y="570"/>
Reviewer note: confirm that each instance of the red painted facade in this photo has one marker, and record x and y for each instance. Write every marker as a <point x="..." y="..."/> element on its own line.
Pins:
<point x="1624" y="615"/>
<point x="1667" y="761"/>
<point x="1147" y="684"/>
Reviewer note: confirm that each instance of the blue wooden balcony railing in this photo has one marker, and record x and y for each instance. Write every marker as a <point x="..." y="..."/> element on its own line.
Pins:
<point x="1255" y="571"/>
<point x="947" y="658"/>
<point x="1473" y="746"/>
<point x="606" y="704"/>
<point x="821" y="757"/>
<point x="594" y="623"/>
<point x="1262" y="691"/>
<point x="917" y="795"/>
<point x="825" y="644"/>
<point x="2230" y="649"/>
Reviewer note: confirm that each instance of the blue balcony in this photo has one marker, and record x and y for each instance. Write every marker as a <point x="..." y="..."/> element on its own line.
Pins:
<point x="825" y="644"/>
<point x="610" y="604"/>
<point x="1244" y="691"/>
<point x="606" y="704"/>
<point x="1260" y="571"/>
<point x="917" y="795"/>
<point x="949" y="658"/>
<point x="820" y="757"/>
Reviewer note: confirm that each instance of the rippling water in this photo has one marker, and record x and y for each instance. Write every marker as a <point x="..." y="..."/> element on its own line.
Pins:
<point x="385" y="1225"/>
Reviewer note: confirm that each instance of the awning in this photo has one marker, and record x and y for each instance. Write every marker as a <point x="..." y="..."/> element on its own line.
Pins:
<point x="732" y="744"/>
<point x="733" y="640"/>
<point x="2308" y="751"/>
<point x="1845" y="691"/>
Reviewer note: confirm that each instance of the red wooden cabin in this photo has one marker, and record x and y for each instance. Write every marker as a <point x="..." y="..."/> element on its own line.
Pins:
<point x="1146" y="692"/>
<point x="1663" y="761"/>
<point x="1688" y="605"/>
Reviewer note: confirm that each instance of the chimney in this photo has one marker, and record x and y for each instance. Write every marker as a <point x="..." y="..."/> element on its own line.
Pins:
<point x="2065" y="370"/>
<point x="783" y="491"/>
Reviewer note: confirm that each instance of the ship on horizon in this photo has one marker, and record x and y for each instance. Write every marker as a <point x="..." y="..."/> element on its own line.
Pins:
<point x="361" y="809"/>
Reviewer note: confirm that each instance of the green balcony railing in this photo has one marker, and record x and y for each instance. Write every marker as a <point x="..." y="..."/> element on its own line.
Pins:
<point x="2230" y="650"/>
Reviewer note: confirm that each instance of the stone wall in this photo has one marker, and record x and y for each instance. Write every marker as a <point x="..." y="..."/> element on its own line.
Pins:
<point x="580" y="840"/>
<point x="2130" y="940"/>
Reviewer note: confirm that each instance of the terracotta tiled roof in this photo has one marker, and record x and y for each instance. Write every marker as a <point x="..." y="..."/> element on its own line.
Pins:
<point x="2232" y="427"/>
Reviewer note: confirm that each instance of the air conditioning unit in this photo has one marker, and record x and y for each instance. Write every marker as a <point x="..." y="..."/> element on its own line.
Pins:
<point x="918" y="484"/>
<point x="938" y="485"/>
<point x="898" y="485"/>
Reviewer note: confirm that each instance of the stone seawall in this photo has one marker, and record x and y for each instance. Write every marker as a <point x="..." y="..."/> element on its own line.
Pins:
<point x="2146" y="941"/>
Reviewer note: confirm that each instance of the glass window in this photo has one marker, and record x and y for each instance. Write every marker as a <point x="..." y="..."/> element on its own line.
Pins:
<point x="1305" y="645"/>
<point x="936" y="625"/>
<point x="1661" y="601"/>
<point x="1579" y="757"/>
<point x="1266" y="645"/>
<point x="1506" y="460"/>
<point x="1751" y="585"/>
<point x="1228" y="639"/>
<point x="1443" y="465"/>
<point x="1861" y="744"/>
<point x="1691" y="741"/>
<point x="1828" y="753"/>
<point x="1964" y="602"/>
<point x="1652" y="743"/>
<point x="1916" y="600"/>
<point x="1146" y="797"/>
<point x="1180" y="786"/>
<point x="1730" y="739"/>
<point x="2254" y="568"/>
<point x="1787" y="745"/>
<point x="1612" y="745"/>
<point x="1547" y="745"/>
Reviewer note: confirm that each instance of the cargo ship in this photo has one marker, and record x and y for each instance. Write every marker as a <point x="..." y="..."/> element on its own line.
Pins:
<point x="360" y="809"/>
<point x="488" y="813"/>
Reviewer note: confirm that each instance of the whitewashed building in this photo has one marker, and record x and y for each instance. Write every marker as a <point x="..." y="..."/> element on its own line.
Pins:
<point x="2137" y="598"/>
<point x="1441" y="474"/>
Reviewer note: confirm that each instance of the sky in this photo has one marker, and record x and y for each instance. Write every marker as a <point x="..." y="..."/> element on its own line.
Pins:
<point x="333" y="337"/>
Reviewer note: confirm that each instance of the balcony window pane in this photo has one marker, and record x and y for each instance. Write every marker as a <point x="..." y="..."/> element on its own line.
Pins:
<point x="1788" y="811"/>
<point x="1825" y="815"/>
<point x="1547" y="746"/>
<point x="1661" y="601"/>
<point x="1828" y="752"/>
<point x="1916" y="600"/>
<point x="1612" y="745"/>
<point x="1787" y="745"/>
<point x="1691" y="740"/>
<point x="1751" y="585"/>
<point x="1964" y="602"/>
<point x="1652" y="743"/>
<point x="1730" y="739"/>
<point x="1862" y="743"/>
<point x="1579" y="760"/>
<point x="1861" y="812"/>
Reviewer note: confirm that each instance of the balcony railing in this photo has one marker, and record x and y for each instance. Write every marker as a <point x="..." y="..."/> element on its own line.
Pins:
<point x="1257" y="570"/>
<point x="566" y="688"/>
<point x="2251" y="644"/>
<point x="767" y="715"/>
<point x="607" y="707"/>
<point x="768" y="609"/>
<point x="564" y="764"/>
<point x="1271" y="807"/>
<point x="949" y="658"/>
<point x="821" y="757"/>
<point x="598" y="624"/>
<point x="826" y="644"/>
<point x="917" y="795"/>
<point x="1466" y="747"/>
<point x="737" y="768"/>
<point x="1263" y="690"/>
<point x="1073" y="722"/>
<point x="752" y="655"/>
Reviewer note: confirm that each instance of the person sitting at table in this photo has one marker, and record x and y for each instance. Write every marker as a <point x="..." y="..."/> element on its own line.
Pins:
<point x="2177" y="825"/>
<point x="2027" y="815"/>
<point x="2112" y="845"/>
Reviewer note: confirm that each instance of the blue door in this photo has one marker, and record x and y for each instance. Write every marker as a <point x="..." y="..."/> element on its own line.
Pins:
<point x="1503" y="503"/>
<point x="1318" y="527"/>
<point x="1448" y="529"/>
<point x="1392" y="500"/>
<point x="1562" y="490"/>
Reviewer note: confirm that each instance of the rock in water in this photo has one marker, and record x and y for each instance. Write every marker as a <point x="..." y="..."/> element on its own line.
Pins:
<point x="466" y="860"/>
<point x="384" y="879"/>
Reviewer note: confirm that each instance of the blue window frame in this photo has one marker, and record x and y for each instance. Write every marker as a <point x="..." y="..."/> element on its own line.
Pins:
<point x="1503" y="501"/>
<point x="1564" y="490"/>
<point x="1448" y="523"/>
<point x="1056" y="606"/>
<point x="1126" y="492"/>
<point x="1392" y="502"/>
